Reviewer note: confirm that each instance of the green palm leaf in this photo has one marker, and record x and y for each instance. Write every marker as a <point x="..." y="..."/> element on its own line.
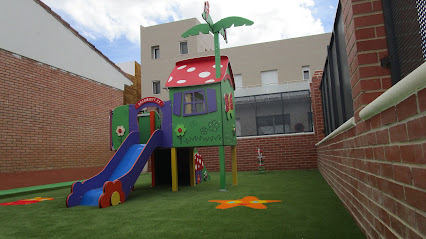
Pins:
<point x="195" y="30"/>
<point x="229" y="21"/>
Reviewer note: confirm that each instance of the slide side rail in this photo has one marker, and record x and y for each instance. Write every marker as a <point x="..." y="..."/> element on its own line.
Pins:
<point x="78" y="189"/>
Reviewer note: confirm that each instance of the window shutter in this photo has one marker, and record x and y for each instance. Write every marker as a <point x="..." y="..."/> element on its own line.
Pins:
<point x="211" y="100"/>
<point x="177" y="103"/>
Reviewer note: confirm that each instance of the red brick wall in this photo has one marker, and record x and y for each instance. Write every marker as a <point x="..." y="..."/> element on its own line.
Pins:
<point x="377" y="168"/>
<point x="281" y="153"/>
<point x="316" y="101"/>
<point x="51" y="119"/>
<point x="366" y="46"/>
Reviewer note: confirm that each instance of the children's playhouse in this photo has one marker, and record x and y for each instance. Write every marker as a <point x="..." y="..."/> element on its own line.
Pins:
<point x="200" y="113"/>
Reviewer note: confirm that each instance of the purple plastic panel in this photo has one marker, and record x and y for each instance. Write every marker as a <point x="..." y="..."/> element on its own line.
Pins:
<point x="111" y="146"/>
<point x="166" y="125"/>
<point x="211" y="100"/>
<point x="78" y="189"/>
<point x="129" y="179"/>
<point x="133" y="121"/>
<point x="177" y="103"/>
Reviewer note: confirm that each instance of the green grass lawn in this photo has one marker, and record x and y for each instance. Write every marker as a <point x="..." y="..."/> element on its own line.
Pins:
<point x="309" y="209"/>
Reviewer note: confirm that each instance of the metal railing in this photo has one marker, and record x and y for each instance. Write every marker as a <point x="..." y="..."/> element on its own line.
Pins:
<point x="336" y="92"/>
<point x="405" y="23"/>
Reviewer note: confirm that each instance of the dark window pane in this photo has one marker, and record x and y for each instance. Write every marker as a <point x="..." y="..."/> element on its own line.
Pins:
<point x="200" y="107"/>
<point x="306" y="75"/>
<point x="183" y="48"/>
<point x="199" y="96"/>
<point x="156" y="87"/>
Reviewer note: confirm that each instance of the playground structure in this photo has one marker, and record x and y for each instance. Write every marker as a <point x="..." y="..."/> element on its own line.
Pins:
<point x="200" y="113"/>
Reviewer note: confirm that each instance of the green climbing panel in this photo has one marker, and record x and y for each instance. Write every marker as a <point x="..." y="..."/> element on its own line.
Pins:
<point x="120" y="125"/>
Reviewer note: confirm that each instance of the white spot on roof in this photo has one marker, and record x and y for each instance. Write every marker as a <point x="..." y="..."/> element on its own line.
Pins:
<point x="214" y="66"/>
<point x="209" y="81"/>
<point x="204" y="74"/>
<point x="170" y="79"/>
<point x="181" y="81"/>
<point x="181" y="67"/>
<point x="191" y="69"/>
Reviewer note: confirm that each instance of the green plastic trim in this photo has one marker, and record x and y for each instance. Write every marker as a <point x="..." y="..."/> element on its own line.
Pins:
<point x="222" y="168"/>
<point x="197" y="29"/>
<point x="35" y="188"/>
<point x="227" y="22"/>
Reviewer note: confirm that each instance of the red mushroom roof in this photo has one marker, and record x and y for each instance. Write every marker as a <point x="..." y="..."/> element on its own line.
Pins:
<point x="198" y="71"/>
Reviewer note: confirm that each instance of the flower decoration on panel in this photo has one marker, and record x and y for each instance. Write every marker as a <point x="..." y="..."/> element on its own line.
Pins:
<point x="213" y="126"/>
<point x="229" y="106"/>
<point x="120" y="130"/>
<point x="113" y="194"/>
<point x="180" y="130"/>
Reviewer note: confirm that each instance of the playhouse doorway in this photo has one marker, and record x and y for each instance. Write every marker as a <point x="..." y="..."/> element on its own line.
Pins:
<point x="163" y="165"/>
<point x="144" y="122"/>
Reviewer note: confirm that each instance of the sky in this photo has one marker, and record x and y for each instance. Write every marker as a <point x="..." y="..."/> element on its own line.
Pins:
<point x="113" y="26"/>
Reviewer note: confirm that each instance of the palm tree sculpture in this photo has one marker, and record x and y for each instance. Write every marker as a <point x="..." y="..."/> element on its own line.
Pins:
<point x="216" y="28"/>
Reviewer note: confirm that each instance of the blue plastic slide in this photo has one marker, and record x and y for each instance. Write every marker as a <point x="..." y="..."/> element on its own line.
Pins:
<point x="120" y="173"/>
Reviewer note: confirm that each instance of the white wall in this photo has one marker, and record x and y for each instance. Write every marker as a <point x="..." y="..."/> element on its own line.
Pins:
<point x="29" y="30"/>
<point x="128" y="67"/>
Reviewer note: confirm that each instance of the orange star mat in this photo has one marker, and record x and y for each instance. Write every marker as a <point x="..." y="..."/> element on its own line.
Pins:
<point x="249" y="201"/>
<point x="25" y="201"/>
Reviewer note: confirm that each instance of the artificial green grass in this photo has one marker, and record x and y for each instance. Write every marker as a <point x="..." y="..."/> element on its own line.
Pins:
<point x="309" y="209"/>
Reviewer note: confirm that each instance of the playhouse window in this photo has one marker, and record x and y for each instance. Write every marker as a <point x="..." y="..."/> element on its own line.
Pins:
<point x="194" y="103"/>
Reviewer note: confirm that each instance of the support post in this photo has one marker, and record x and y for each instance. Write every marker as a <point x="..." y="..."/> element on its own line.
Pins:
<point x="191" y="167"/>
<point x="234" y="166"/>
<point x="222" y="168"/>
<point x="174" y="170"/>
<point x="152" y="129"/>
<point x="217" y="54"/>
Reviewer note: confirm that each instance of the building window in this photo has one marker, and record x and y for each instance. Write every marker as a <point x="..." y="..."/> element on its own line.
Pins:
<point x="194" y="103"/>
<point x="238" y="80"/>
<point x="306" y="73"/>
<point x="269" y="77"/>
<point x="273" y="124"/>
<point x="156" y="87"/>
<point x="238" y="126"/>
<point x="155" y="52"/>
<point x="279" y="113"/>
<point x="183" y="47"/>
